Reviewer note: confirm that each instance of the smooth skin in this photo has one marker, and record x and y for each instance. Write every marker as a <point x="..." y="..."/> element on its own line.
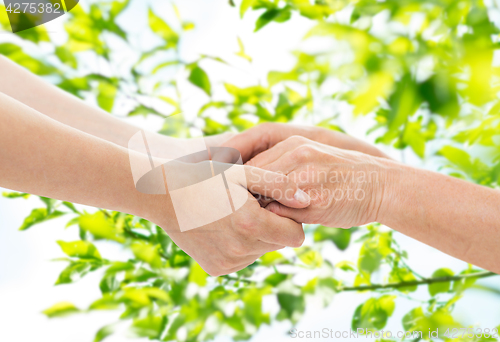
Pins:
<point x="44" y="157"/>
<point x="55" y="145"/>
<point x="459" y="218"/>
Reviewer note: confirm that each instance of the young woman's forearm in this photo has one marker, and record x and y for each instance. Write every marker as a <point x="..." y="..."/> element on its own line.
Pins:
<point x="49" y="100"/>
<point x="41" y="156"/>
<point x="452" y="215"/>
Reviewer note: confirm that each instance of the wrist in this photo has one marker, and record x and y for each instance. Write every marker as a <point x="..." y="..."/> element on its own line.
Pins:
<point x="395" y="192"/>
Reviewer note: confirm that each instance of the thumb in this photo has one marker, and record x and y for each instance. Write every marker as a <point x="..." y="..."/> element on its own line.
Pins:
<point x="276" y="186"/>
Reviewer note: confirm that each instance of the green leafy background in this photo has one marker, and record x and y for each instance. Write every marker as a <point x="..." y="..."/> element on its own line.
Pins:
<point x="419" y="78"/>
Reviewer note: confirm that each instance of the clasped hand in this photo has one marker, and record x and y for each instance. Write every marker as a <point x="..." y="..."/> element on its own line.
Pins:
<point x="281" y="163"/>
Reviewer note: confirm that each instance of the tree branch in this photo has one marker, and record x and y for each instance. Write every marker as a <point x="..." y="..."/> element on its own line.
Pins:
<point x="424" y="281"/>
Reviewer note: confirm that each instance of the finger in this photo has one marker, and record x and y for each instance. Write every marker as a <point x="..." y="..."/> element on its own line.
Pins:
<point x="261" y="138"/>
<point x="280" y="230"/>
<point x="227" y="266"/>
<point x="262" y="248"/>
<point x="298" y="215"/>
<point x="251" y="142"/>
<point x="242" y="266"/>
<point x="219" y="139"/>
<point x="243" y="247"/>
<point x="276" y="152"/>
<point x="276" y="186"/>
<point x="284" y="165"/>
<point x="263" y="200"/>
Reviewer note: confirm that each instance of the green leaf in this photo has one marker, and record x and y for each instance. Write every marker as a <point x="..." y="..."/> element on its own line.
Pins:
<point x="273" y="14"/>
<point x="61" y="309"/>
<point x="162" y="29"/>
<point x="71" y="206"/>
<point x="252" y="310"/>
<point x="399" y="275"/>
<point x="271" y="258"/>
<point x="117" y="7"/>
<point x="188" y="26"/>
<point x="416" y="320"/>
<point x="292" y="305"/>
<point x="275" y="279"/>
<point x="242" y="52"/>
<point x="150" y="327"/>
<point x="16" y="54"/>
<point x="80" y="249"/>
<point x="104" y="332"/>
<point x="147" y="253"/>
<point x="66" y="56"/>
<point x="339" y="236"/>
<point x="106" y="96"/>
<point x="346" y="266"/>
<point x="458" y="157"/>
<point x="414" y="137"/>
<point x="441" y="94"/>
<point x="374" y="313"/>
<point x="245" y="5"/>
<point x="15" y="195"/>
<point x="38" y="216"/>
<point x="374" y="251"/>
<point x="107" y="302"/>
<point x="164" y="65"/>
<point x="404" y="102"/>
<point x="109" y="284"/>
<point x="100" y="227"/>
<point x="441" y="287"/>
<point x="199" y="78"/>
<point x="197" y="275"/>
<point x="76" y="270"/>
<point x="250" y="95"/>
<point x="309" y="256"/>
<point x="464" y="283"/>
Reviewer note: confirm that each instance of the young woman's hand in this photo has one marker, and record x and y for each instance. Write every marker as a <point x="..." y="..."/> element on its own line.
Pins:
<point x="232" y="242"/>
<point x="263" y="137"/>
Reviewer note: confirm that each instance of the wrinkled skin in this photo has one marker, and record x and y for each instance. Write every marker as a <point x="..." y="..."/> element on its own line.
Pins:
<point x="346" y="187"/>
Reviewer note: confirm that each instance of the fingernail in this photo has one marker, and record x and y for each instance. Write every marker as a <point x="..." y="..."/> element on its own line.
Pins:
<point x="302" y="197"/>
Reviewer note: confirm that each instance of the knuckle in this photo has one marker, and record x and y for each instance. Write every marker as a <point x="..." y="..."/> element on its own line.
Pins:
<point x="281" y="188"/>
<point x="223" y="265"/>
<point x="238" y="249"/>
<point x="246" y="224"/>
<point x="213" y="271"/>
<point x="303" y="153"/>
<point x="297" y="139"/>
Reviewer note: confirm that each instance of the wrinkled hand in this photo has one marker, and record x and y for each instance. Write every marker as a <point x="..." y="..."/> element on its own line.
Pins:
<point x="346" y="187"/>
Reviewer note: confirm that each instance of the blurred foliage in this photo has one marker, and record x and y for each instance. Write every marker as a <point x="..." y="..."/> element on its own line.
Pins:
<point x="423" y="72"/>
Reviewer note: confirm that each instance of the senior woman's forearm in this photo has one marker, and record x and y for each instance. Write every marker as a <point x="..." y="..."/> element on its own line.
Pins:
<point x="452" y="215"/>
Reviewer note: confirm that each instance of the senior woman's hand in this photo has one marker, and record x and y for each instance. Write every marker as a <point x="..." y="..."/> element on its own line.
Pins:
<point x="349" y="188"/>
<point x="346" y="187"/>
